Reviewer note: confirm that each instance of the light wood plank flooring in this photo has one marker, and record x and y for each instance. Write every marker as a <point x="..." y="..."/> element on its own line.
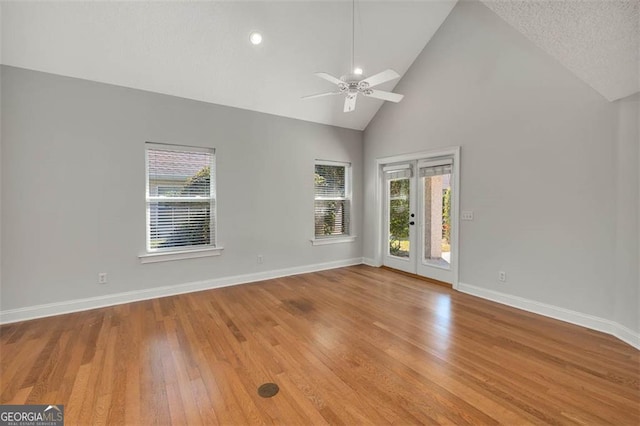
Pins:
<point x="356" y="345"/>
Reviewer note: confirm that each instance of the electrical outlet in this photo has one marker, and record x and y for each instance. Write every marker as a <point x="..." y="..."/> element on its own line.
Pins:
<point x="260" y="259"/>
<point x="467" y="215"/>
<point x="502" y="276"/>
<point x="102" y="278"/>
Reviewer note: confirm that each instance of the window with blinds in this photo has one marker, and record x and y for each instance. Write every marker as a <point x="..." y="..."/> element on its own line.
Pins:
<point x="332" y="199"/>
<point x="180" y="197"/>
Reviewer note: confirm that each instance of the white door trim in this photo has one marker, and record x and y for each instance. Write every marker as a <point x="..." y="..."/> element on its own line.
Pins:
<point x="379" y="212"/>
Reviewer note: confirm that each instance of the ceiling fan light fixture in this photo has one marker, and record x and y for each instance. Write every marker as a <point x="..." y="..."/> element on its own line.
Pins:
<point x="255" y="38"/>
<point x="350" y="85"/>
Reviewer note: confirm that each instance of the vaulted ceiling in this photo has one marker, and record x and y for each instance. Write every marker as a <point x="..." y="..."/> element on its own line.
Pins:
<point x="201" y="50"/>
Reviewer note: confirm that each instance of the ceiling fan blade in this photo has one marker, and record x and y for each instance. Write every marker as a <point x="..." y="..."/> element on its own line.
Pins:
<point x="385" y="96"/>
<point x="350" y="103"/>
<point x="381" y="77"/>
<point x="329" y="77"/>
<point x="318" y="95"/>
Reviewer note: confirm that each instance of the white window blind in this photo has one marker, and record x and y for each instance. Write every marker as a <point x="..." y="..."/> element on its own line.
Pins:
<point x="180" y="197"/>
<point x="403" y="171"/>
<point x="435" y="171"/>
<point x="332" y="199"/>
<point x="436" y="168"/>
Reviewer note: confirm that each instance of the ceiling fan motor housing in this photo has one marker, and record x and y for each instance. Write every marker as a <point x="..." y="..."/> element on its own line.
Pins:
<point x="353" y="83"/>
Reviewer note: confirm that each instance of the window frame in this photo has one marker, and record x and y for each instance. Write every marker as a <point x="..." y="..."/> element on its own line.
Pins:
<point x="152" y="255"/>
<point x="348" y="199"/>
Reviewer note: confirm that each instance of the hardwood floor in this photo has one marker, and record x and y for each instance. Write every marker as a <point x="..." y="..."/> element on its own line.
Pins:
<point x="356" y="345"/>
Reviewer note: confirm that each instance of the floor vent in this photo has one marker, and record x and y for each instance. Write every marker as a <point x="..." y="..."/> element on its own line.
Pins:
<point x="268" y="390"/>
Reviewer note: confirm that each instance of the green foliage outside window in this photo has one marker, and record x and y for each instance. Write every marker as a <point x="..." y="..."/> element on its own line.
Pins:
<point x="446" y="216"/>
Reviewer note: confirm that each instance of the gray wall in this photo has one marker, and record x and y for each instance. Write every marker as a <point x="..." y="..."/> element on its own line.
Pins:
<point x="539" y="166"/>
<point x="73" y="185"/>
<point x="627" y="301"/>
<point x="0" y="171"/>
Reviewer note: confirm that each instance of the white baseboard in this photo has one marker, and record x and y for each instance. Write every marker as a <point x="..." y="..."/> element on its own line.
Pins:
<point x="626" y="335"/>
<point x="58" y="308"/>
<point x="585" y="320"/>
<point x="370" y="262"/>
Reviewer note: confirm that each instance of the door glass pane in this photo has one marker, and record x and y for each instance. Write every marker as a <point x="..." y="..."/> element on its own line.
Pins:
<point x="437" y="219"/>
<point x="399" y="217"/>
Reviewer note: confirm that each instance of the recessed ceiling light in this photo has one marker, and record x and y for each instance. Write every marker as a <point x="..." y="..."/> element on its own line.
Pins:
<point x="357" y="71"/>
<point x="255" y="37"/>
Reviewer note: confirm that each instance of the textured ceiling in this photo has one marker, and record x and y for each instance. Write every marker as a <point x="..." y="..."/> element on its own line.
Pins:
<point x="201" y="50"/>
<point x="599" y="41"/>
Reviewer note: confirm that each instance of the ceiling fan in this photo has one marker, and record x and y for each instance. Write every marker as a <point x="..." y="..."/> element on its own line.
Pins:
<point x="356" y="83"/>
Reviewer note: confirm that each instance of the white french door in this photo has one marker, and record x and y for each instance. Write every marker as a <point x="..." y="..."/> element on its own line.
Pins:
<point x="420" y="217"/>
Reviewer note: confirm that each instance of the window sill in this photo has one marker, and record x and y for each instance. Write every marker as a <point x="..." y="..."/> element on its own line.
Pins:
<point x="333" y="240"/>
<point x="179" y="255"/>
